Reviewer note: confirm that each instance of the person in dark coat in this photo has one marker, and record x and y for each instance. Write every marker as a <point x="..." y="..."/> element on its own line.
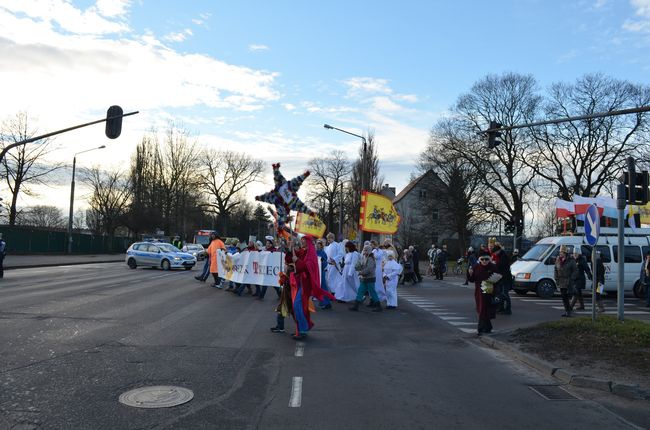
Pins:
<point x="565" y="272"/>
<point x="645" y="278"/>
<point x="580" y="281"/>
<point x="485" y="307"/>
<point x="416" y="262"/>
<point x="598" y="274"/>
<point x="502" y="261"/>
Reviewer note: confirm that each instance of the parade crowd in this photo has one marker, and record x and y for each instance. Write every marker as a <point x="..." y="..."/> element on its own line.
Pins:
<point x="329" y="271"/>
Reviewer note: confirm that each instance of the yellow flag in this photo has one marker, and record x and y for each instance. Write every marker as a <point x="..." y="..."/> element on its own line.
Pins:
<point x="645" y="213"/>
<point x="378" y="215"/>
<point x="310" y="225"/>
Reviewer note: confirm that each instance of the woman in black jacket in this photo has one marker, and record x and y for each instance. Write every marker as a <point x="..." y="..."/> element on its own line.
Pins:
<point x="580" y="281"/>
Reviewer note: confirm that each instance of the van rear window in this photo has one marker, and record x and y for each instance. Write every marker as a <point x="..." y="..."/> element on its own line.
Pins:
<point x="632" y="254"/>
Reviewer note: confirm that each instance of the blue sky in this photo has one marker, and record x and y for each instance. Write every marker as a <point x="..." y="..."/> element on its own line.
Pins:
<point x="264" y="76"/>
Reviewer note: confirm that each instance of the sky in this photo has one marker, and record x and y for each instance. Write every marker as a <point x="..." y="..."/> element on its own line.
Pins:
<point x="262" y="77"/>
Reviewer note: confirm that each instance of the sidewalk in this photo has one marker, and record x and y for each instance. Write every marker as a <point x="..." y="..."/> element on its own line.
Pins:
<point x="25" y="261"/>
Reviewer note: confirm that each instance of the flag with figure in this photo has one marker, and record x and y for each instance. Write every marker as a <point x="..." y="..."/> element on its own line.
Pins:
<point x="310" y="224"/>
<point x="378" y="215"/>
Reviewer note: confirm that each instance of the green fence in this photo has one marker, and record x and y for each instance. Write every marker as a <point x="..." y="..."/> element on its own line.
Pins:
<point x="31" y="240"/>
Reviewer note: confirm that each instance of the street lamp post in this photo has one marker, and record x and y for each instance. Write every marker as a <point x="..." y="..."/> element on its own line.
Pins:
<point x="74" y="165"/>
<point x="363" y="165"/>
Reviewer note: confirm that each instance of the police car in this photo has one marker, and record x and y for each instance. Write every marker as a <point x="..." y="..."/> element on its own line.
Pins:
<point x="158" y="254"/>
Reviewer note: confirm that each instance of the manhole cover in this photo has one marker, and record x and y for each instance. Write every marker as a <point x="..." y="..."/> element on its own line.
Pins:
<point x="160" y="396"/>
<point x="552" y="392"/>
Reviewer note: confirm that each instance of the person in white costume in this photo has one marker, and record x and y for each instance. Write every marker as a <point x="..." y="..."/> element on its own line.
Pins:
<point x="334" y="270"/>
<point x="350" y="276"/>
<point x="392" y="270"/>
<point x="380" y="257"/>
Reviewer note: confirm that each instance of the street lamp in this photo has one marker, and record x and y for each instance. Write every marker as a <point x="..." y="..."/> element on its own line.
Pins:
<point x="363" y="165"/>
<point x="74" y="165"/>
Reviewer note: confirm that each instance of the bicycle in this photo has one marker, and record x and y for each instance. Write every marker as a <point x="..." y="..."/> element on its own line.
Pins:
<point x="459" y="269"/>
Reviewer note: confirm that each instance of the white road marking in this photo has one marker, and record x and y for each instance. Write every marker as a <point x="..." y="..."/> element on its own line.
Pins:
<point x="300" y="349"/>
<point x="296" y="392"/>
<point x="452" y="318"/>
<point x="467" y="330"/>
<point x="461" y="323"/>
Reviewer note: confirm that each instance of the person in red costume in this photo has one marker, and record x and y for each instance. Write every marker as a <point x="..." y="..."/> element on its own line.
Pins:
<point x="305" y="283"/>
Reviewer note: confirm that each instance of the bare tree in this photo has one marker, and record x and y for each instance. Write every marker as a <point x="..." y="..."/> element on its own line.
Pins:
<point x="328" y="176"/>
<point x="42" y="216"/>
<point x="109" y="201"/>
<point x="365" y="177"/>
<point x="23" y="165"/>
<point x="225" y="176"/>
<point x="582" y="157"/>
<point x="505" y="171"/>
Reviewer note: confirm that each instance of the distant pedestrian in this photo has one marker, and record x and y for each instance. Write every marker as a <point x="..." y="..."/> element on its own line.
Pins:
<point x="580" y="281"/>
<point x="472" y="259"/>
<point x="3" y="253"/>
<point x="416" y="262"/>
<point x="407" y="263"/>
<point x="598" y="282"/>
<point x="645" y="277"/>
<point x="515" y="256"/>
<point x="431" y="253"/>
<point x="440" y="263"/>
<point x="565" y="273"/>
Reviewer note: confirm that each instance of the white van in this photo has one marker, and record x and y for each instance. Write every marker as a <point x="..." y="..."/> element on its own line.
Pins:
<point x="535" y="270"/>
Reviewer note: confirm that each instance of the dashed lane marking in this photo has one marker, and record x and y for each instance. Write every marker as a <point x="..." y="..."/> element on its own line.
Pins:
<point x="300" y="349"/>
<point x="296" y="392"/>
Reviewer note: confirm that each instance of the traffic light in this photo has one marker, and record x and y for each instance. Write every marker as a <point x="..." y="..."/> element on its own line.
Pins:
<point x="636" y="184"/>
<point x="114" y="122"/>
<point x="510" y="227"/>
<point x="494" y="135"/>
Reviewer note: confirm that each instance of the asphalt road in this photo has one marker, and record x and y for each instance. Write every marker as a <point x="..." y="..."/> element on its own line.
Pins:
<point x="73" y="339"/>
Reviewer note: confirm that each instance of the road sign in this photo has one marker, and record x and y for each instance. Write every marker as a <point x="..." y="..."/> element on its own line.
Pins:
<point x="592" y="225"/>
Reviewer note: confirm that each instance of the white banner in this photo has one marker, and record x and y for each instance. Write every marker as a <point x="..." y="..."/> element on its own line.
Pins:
<point x="251" y="267"/>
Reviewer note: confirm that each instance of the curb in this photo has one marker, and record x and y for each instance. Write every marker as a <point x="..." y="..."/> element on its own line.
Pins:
<point x="564" y="375"/>
<point x="63" y="263"/>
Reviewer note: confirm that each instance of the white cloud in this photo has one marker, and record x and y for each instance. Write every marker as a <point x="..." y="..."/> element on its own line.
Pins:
<point x="179" y="36"/>
<point x="641" y="10"/>
<point x="364" y="85"/>
<point x="112" y="8"/>
<point x="62" y="14"/>
<point x="255" y="48"/>
<point x="289" y="106"/>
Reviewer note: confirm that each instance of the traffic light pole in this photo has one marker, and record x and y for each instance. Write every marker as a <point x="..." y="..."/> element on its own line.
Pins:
<point x="499" y="128"/>
<point x="620" y="205"/>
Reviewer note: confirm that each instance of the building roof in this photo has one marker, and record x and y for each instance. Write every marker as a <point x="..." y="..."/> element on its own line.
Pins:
<point x="412" y="185"/>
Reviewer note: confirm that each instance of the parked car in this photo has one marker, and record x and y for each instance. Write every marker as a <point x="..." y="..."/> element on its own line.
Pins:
<point x="195" y="249"/>
<point x="158" y="254"/>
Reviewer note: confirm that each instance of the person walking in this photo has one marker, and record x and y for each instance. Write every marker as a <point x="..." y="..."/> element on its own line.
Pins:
<point x="502" y="261"/>
<point x="206" y="265"/>
<point x="3" y="253"/>
<point x="472" y="259"/>
<point x="598" y="282"/>
<point x="407" y="263"/>
<point x="366" y="267"/>
<point x="215" y="245"/>
<point x="580" y="281"/>
<point x="645" y="277"/>
<point x="431" y="253"/>
<point x="350" y="275"/>
<point x="440" y="263"/>
<point x="380" y="256"/>
<point x="565" y="272"/>
<point x="486" y="309"/>
<point x="391" y="271"/>
<point x="320" y="253"/>
<point x="416" y="262"/>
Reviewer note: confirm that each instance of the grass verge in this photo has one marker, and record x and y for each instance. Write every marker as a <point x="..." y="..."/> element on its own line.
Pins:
<point x="607" y="343"/>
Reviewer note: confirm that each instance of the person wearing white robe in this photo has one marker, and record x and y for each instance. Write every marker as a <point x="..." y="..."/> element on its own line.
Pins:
<point x="350" y="276"/>
<point x="334" y="270"/>
<point x="380" y="257"/>
<point x="392" y="270"/>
